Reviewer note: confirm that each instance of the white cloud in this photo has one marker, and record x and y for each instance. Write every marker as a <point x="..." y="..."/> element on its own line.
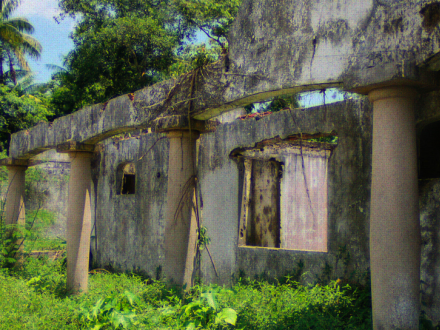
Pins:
<point x="42" y="8"/>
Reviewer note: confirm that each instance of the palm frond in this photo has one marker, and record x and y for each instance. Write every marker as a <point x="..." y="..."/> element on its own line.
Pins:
<point x="31" y="46"/>
<point x="26" y="83"/>
<point x="21" y="74"/>
<point x="21" y="24"/>
<point x="10" y="35"/>
<point x="56" y="68"/>
<point x="21" y="59"/>
<point x="15" y="44"/>
<point x="7" y="7"/>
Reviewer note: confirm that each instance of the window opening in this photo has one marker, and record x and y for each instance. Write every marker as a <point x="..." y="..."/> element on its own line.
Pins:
<point x="126" y="179"/>
<point x="430" y="151"/>
<point x="278" y="209"/>
<point x="264" y="227"/>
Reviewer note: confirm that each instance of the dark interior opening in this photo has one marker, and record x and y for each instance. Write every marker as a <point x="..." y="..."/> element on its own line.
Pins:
<point x="264" y="225"/>
<point x="128" y="184"/>
<point x="430" y="152"/>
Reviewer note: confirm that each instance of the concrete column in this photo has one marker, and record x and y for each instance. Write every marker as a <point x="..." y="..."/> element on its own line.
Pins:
<point x="14" y="208"/>
<point x="180" y="230"/>
<point x="78" y="222"/>
<point x="394" y="222"/>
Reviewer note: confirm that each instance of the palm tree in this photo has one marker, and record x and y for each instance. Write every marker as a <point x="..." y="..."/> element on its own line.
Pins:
<point x="15" y="43"/>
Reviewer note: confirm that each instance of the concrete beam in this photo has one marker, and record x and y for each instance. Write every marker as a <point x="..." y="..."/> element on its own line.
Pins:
<point x="73" y="146"/>
<point x="275" y="48"/>
<point x="181" y="122"/>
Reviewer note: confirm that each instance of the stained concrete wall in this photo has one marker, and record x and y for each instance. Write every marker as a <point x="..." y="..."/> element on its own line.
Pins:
<point x="428" y="112"/>
<point x="46" y="189"/>
<point x="300" y="44"/>
<point x="51" y="192"/>
<point x="221" y="179"/>
<point x="128" y="230"/>
<point x="430" y="262"/>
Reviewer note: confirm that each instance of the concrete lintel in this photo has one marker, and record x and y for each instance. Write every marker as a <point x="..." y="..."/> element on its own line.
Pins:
<point x="425" y="84"/>
<point x="14" y="162"/>
<point x="295" y="141"/>
<point x="180" y="122"/>
<point x="74" y="146"/>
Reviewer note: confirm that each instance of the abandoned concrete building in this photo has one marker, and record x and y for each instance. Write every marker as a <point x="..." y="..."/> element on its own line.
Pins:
<point x="272" y="200"/>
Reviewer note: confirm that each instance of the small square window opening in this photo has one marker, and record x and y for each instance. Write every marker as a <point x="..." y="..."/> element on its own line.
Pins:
<point x="126" y="179"/>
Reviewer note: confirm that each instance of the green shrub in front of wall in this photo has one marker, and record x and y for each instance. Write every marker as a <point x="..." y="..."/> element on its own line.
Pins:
<point x="35" y="297"/>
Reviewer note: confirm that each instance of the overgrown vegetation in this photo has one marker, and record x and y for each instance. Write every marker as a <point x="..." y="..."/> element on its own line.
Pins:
<point x="120" y="46"/>
<point x="35" y="297"/>
<point x="124" y="45"/>
<point x="33" y="236"/>
<point x="286" y="101"/>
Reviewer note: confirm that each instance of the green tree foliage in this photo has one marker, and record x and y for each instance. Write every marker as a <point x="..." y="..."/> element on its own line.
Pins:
<point x="15" y="43"/>
<point x="213" y="17"/>
<point x="20" y="111"/>
<point x="286" y="101"/>
<point x="125" y="45"/>
<point x="193" y="57"/>
<point x="282" y="102"/>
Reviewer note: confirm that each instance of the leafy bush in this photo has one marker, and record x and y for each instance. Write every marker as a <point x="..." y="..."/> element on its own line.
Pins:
<point x="35" y="297"/>
<point x="117" y="310"/>
<point x="204" y="311"/>
<point x="11" y="238"/>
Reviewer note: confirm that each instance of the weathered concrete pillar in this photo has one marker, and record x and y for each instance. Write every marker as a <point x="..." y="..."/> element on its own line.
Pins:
<point x="14" y="213"/>
<point x="180" y="230"/>
<point x="394" y="222"/>
<point x="78" y="222"/>
<point x="14" y="208"/>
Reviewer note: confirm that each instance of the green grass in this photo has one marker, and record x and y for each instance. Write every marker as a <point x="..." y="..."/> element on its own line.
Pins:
<point x="41" y="243"/>
<point x="35" y="298"/>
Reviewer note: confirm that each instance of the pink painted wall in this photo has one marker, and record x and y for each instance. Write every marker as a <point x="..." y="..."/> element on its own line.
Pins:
<point x="304" y="219"/>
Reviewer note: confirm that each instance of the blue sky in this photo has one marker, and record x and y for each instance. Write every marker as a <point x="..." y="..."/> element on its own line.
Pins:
<point x="54" y="37"/>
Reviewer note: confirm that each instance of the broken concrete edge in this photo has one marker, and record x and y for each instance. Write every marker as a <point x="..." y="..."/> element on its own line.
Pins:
<point x="427" y="83"/>
<point x="74" y="146"/>
<point x="95" y="123"/>
<point x="181" y="122"/>
<point x="14" y="162"/>
<point x="297" y="140"/>
<point x="243" y="99"/>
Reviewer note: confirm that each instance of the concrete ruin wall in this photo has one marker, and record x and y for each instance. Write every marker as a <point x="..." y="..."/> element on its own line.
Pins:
<point x="129" y="228"/>
<point x="428" y="112"/>
<point x="46" y="190"/>
<point x="386" y="48"/>
<point x="127" y="234"/>
<point x="349" y="171"/>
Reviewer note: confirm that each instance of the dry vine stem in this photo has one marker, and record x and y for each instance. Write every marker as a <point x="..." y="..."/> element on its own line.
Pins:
<point x="196" y="206"/>
<point x="303" y="165"/>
